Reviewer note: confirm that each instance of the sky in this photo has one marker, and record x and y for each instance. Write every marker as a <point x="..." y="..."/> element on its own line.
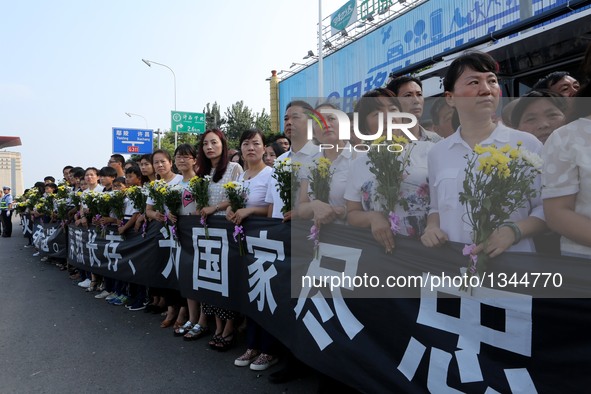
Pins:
<point x="70" y="70"/>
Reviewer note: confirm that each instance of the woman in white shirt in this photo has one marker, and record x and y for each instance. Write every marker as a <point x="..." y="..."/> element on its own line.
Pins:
<point x="256" y="181"/>
<point x="162" y="163"/>
<point x="213" y="161"/>
<point x="364" y="205"/>
<point x="472" y="88"/>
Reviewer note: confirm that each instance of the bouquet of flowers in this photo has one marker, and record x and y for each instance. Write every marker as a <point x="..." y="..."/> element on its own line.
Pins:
<point x="285" y="172"/>
<point x="21" y="207"/>
<point x="138" y="196"/>
<point x="61" y="205"/>
<point x="320" y="178"/>
<point x="237" y="195"/>
<point x="32" y="198"/>
<point x="199" y="188"/>
<point x="497" y="182"/>
<point x="63" y="191"/>
<point x="44" y="205"/>
<point x="20" y="204"/>
<point x="173" y="199"/>
<point x="75" y="198"/>
<point x="389" y="168"/>
<point x="118" y="203"/>
<point x="91" y="200"/>
<point x="157" y="191"/>
<point x="104" y="201"/>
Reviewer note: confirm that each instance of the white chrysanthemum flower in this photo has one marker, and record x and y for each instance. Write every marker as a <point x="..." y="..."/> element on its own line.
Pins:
<point x="532" y="158"/>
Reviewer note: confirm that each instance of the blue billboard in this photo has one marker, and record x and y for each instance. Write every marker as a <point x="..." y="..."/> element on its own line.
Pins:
<point x="132" y="141"/>
<point x="432" y="29"/>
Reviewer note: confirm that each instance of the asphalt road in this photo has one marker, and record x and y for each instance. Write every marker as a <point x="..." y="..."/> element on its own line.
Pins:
<point x="57" y="338"/>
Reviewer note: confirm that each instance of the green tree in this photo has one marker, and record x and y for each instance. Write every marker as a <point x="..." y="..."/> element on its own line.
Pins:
<point x="263" y="122"/>
<point x="213" y="117"/>
<point x="238" y="119"/>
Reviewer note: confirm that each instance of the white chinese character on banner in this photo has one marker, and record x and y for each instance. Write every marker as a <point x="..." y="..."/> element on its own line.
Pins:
<point x="78" y="246"/>
<point x="516" y="336"/>
<point x="44" y="239"/>
<point x="110" y="251"/>
<point x="175" y="253"/>
<point x="210" y="260"/>
<point x="27" y="227"/>
<point x="347" y="320"/>
<point x="38" y="236"/>
<point x="259" y="281"/>
<point x="92" y="248"/>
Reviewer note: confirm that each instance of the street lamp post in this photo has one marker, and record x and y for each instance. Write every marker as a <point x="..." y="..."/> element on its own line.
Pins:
<point x="149" y="64"/>
<point x="130" y="114"/>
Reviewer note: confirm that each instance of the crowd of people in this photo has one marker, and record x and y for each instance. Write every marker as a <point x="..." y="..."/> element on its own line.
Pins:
<point x="551" y="120"/>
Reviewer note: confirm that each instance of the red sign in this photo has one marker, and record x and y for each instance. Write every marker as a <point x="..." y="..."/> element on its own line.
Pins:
<point x="133" y="149"/>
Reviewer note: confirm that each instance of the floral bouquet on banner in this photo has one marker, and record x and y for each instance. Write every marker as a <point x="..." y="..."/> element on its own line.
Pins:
<point x="104" y="201"/>
<point x="45" y="206"/>
<point x="497" y="183"/>
<point x="199" y="188"/>
<point x="63" y="191"/>
<point x="32" y="198"/>
<point x="75" y="198"/>
<point x="237" y="195"/>
<point x="285" y="172"/>
<point x="118" y="204"/>
<point x="320" y="177"/>
<point x="61" y="208"/>
<point x="173" y="199"/>
<point x="389" y="168"/>
<point x="157" y="191"/>
<point x="138" y="196"/>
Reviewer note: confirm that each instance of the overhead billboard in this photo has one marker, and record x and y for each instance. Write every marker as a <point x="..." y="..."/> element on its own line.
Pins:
<point x="429" y="31"/>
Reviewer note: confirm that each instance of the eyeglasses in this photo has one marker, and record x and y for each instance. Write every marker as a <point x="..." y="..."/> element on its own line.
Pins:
<point x="183" y="158"/>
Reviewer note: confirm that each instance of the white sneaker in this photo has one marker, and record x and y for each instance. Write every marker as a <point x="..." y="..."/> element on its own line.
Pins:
<point x="263" y="362"/>
<point x="111" y="296"/>
<point x="35" y="254"/>
<point x="44" y="259"/>
<point x="85" y="283"/>
<point x="102" y="294"/>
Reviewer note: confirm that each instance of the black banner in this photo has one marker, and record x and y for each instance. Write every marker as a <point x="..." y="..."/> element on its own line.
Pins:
<point x="49" y="238"/>
<point x="500" y="339"/>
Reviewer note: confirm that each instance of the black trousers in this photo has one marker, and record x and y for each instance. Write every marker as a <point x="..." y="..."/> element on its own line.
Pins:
<point x="6" y="222"/>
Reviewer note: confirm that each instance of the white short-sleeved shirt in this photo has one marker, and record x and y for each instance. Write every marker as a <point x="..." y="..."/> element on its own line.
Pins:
<point x="309" y="152"/>
<point x="362" y="188"/>
<point x="447" y="161"/>
<point x="567" y="171"/>
<point x="130" y="209"/>
<point x="257" y="187"/>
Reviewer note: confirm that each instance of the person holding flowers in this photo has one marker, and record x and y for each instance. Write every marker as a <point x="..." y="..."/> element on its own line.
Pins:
<point x="323" y="179"/>
<point x="215" y="170"/>
<point x="254" y="183"/>
<point x="156" y="210"/>
<point x="566" y="174"/>
<point x="462" y="166"/>
<point x="387" y="188"/>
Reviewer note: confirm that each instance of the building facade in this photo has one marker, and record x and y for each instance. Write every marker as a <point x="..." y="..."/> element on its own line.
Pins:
<point x="11" y="171"/>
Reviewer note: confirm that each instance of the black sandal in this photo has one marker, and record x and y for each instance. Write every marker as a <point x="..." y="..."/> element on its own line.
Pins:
<point x="215" y="340"/>
<point x="226" y="342"/>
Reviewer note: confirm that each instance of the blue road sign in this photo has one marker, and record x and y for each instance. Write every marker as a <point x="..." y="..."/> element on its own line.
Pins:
<point x="132" y="141"/>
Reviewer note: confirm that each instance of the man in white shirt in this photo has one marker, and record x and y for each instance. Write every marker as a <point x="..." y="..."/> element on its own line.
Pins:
<point x="295" y="124"/>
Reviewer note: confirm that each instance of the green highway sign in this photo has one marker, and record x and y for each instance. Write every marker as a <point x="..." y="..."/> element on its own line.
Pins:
<point x="187" y="122"/>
